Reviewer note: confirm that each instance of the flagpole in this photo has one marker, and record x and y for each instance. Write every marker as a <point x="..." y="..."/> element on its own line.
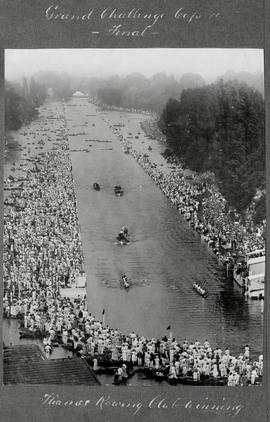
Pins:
<point x="170" y="335"/>
<point x="103" y="318"/>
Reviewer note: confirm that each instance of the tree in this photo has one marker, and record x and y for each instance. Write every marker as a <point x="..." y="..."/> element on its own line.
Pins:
<point x="220" y="128"/>
<point x="22" y="102"/>
<point x="13" y="112"/>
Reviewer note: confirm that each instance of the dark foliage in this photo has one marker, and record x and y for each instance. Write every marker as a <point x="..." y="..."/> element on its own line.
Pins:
<point x="220" y="128"/>
<point x="22" y="102"/>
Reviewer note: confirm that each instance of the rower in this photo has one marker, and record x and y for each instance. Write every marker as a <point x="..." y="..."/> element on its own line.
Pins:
<point x="121" y="236"/>
<point x="125" y="280"/>
<point x="125" y="230"/>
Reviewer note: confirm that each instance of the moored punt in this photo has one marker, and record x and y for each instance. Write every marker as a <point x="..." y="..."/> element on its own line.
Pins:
<point x="105" y="365"/>
<point x="13" y="187"/>
<point x="219" y="381"/>
<point x="109" y="370"/>
<point x="14" y="204"/>
<point x="156" y="374"/>
<point x="10" y="204"/>
<point x="31" y="334"/>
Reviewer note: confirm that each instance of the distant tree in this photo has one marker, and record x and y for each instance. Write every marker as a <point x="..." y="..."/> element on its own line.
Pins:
<point x="110" y="96"/>
<point x="191" y="80"/>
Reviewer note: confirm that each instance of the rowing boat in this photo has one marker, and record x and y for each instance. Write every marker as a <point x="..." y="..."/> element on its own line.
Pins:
<point x="199" y="289"/>
<point x="122" y="242"/>
<point x="118" y="190"/>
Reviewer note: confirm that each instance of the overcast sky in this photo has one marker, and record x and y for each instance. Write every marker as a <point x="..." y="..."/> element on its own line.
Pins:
<point x="102" y="62"/>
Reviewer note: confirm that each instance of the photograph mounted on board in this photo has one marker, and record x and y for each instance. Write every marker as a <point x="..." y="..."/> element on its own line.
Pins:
<point x="134" y="217"/>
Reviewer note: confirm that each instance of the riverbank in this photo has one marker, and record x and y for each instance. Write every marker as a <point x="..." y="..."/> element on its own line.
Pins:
<point x="196" y="197"/>
<point x="46" y="253"/>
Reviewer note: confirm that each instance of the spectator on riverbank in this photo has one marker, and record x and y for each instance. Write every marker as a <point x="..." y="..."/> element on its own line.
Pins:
<point x="208" y="217"/>
<point x="43" y="252"/>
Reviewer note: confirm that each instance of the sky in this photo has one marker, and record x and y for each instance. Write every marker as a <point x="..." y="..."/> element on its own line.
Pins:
<point x="210" y="63"/>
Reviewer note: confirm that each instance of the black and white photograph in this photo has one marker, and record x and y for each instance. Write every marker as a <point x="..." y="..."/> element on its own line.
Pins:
<point x="134" y="217"/>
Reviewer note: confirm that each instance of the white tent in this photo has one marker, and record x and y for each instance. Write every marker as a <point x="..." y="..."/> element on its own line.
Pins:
<point x="78" y="94"/>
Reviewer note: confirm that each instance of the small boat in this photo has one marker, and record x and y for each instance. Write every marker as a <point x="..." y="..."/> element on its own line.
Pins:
<point x="122" y="238"/>
<point x="124" y="282"/>
<point x="106" y="370"/>
<point x="122" y="242"/>
<point x="10" y="204"/>
<point x="156" y="374"/>
<point x="96" y="186"/>
<point x="220" y="381"/>
<point x="172" y="380"/>
<point x="118" y="190"/>
<point x="122" y="379"/>
<point x="26" y="333"/>
<point x="199" y="289"/>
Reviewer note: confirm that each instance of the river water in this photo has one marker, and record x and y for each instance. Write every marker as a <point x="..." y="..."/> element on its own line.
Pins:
<point x="164" y="257"/>
<point x="164" y="251"/>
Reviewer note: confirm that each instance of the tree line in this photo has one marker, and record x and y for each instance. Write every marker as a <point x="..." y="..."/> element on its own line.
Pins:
<point x="138" y="92"/>
<point x="22" y="102"/>
<point x="220" y="128"/>
<point x="215" y="127"/>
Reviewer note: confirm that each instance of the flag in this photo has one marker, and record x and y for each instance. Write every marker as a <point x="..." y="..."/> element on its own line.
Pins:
<point x="103" y="312"/>
<point x="168" y="328"/>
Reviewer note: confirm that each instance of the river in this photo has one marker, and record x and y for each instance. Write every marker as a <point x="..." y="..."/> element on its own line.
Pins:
<point x="164" y="251"/>
<point x="164" y="257"/>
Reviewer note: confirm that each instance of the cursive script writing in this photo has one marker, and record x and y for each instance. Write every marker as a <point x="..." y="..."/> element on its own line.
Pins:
<point x="188" y="16"/>
<point x="117" y="30"/>
<point x="134" y="22"/>
<point x="54" y="13"/>
<point x="157" y="403"/>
